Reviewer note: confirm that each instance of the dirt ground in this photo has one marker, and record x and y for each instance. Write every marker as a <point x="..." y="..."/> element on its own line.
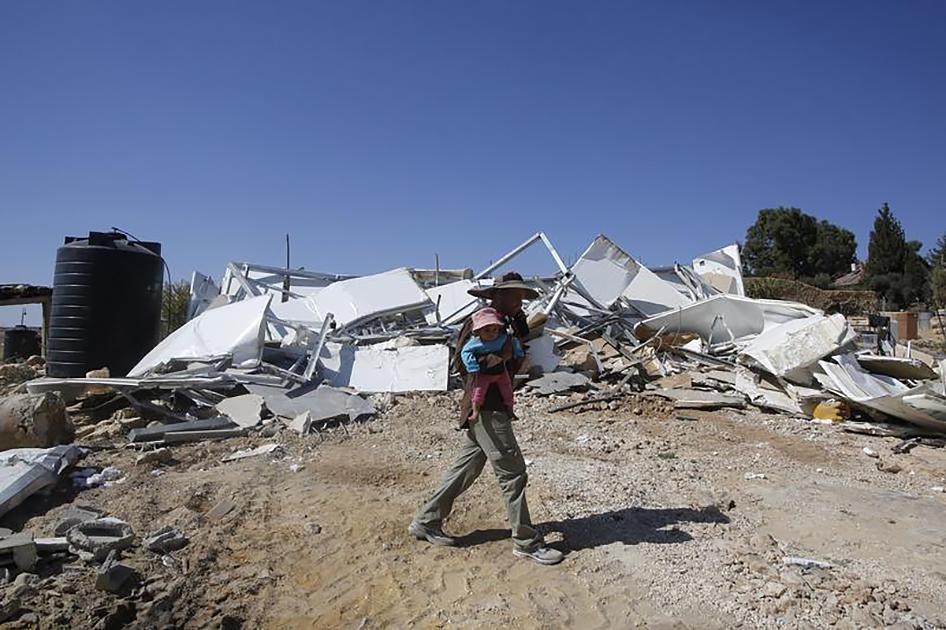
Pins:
<point x="666" y="523"/>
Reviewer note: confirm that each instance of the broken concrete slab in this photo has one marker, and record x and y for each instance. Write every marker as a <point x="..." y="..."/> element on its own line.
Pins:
<point x="158" y="433"/>
<point x="698" y="399"/>
<point x="245" y="411"/>
<point x="558" y="382"/>
<point x="302" y="423"/>
<point x="785" y="349"/>
<point x="323" y="402"/>
<point x="764" y="393"/>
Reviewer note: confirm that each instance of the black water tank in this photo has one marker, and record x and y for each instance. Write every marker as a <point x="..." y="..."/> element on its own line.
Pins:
<point x="20" y="342"/>
<point x="106" y="307"/>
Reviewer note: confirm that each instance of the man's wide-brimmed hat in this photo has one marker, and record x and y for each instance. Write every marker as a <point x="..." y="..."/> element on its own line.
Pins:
<point x="511" y="280"/>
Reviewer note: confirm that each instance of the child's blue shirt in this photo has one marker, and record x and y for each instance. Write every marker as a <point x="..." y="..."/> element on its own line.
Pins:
<point x="476" y="347"/>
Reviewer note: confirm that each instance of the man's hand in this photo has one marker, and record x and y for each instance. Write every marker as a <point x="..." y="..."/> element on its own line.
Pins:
<point x="507" y="350"/>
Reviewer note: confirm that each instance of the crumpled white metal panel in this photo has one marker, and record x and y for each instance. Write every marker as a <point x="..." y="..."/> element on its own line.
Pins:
<point x="373" y="369"/>
<point x="722" y="268"/>
<point x="236" y="329"/>
<point x="356" y="300"/>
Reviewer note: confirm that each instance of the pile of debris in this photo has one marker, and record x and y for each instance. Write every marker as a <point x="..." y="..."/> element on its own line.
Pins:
<point x="268" y="348"/>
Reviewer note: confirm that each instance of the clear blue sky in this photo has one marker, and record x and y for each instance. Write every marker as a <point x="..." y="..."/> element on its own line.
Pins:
<point x="379" y="133"/>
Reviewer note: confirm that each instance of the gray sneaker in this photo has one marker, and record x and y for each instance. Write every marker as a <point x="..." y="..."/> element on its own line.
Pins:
<point x="433" y="535"/>
<point x="540" y="554"/>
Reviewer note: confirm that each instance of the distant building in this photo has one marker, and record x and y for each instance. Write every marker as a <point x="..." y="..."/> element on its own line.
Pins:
<point x="852" y="279"/>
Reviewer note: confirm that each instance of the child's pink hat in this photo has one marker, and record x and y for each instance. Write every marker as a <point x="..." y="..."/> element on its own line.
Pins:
<point x="488" y="316"/>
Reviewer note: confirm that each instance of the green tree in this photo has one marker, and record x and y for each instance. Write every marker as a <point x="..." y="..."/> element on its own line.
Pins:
<point x="937" y="255"/>
<point x="788" y="242"/>
<point x="833" y="251"/>
<point x="894" y="267"/>
<point x="888" y="245"/>
<point x="174" y="302"/>
<point x="916" y="275"/>
<point x="939" y="286"/>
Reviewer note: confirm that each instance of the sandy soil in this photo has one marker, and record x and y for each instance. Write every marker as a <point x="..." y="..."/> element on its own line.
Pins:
<point x="661" y="527"/>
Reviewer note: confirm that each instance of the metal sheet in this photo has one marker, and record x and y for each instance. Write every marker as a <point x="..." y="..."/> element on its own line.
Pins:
<point x="452" y="301"/>
<point x="725" y="318"/>
<point x="236" y="329"/>
<point x="608" y="273"/>
<point x="371" y="369"/>
<point x="722" y="268"/>
<point x="360" y="299"/>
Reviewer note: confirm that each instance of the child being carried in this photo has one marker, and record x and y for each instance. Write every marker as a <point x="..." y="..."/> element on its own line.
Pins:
<point x="489" y="337"/>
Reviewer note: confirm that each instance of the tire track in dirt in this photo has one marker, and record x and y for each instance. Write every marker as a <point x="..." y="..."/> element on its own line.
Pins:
<point x="363" y="568"/>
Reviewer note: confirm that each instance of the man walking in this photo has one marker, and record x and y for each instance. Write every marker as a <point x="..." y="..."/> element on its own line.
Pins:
<point x="489" y="436"/>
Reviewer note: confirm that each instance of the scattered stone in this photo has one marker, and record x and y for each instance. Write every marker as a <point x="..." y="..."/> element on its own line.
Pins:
<point x="313" y="528"/>
<point x="581" y="359"/>
<point x="751" y="476"/>
<point x="805" y="563"/>
<point x="157" y="456"/>
<point x="11" y="373"/>
<point x="24" y="585"/>
<point x="165" y="540"/>
<point x="9" y="607"/>
<point x="773" y="589"/>
<point x="134" y="422"/>
<point x="302" y="423"/>
<point x="20" y="550"/>
<point x="221" y="509"/>
<point x="888" y="467"/>
<point x="270" y="430"/>
<point x="264" y="449"/>
<point x="870" y="452"/>
<point x="113" y="576"/>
